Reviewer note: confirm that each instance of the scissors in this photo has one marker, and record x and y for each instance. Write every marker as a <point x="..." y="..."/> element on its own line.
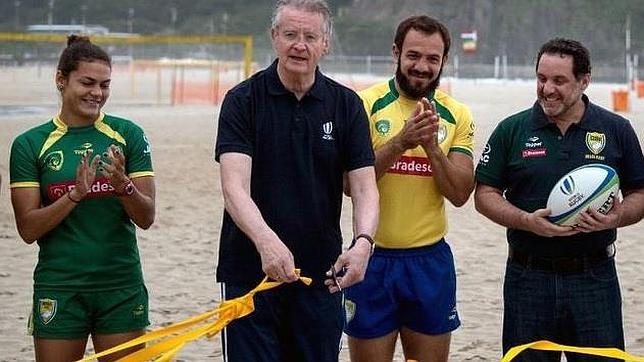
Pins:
<point x="335" y="274"/>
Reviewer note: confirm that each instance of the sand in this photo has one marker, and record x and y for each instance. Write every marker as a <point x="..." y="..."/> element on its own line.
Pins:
<point x="179" y="251"/>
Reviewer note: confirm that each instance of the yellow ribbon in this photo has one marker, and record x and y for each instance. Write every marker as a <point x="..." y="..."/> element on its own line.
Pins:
<point x="550" y="346"/>
<point x="177" y="338"/>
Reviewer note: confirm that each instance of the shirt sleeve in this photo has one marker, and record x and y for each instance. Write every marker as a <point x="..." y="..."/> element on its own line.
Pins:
<point x="493" y="161"/>
<point x="139" y="158"/>
<point x="360" y="151"/>
<point x="632" y="170"/>
<point x="464" y="139"/>
<point x="234" y="129"/>
<point x="23" y="164"/>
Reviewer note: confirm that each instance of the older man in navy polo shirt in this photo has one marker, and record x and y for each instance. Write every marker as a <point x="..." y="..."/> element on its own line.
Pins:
<point x="285" y="138"/>
<point x="560" y="281"/>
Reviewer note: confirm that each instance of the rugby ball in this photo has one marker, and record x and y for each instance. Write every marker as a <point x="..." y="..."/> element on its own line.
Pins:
<point x="589" y="186"/>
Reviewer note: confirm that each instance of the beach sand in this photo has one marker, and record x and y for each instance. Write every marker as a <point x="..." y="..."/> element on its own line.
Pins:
<point x="179" y="251"/>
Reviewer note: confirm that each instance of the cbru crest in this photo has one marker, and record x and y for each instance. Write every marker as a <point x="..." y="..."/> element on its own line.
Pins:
<point x="383" y="126"/>
<point x="595" y="142"/>
<point x="47" y="309"/>
<point x="442" y="133"/>
<point x="349" y="310"/>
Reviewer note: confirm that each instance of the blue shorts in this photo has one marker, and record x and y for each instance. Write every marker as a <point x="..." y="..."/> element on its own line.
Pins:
<point x="291" y="323"/>
<point x="413" y="288"/>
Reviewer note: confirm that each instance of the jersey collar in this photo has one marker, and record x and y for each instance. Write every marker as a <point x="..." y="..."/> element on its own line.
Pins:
<point x="396" y="94"/>
<point x="588" y="121"/>
<point x="276" y="88"/>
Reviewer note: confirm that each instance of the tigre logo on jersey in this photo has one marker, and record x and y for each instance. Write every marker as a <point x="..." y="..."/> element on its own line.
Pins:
<point x="472" y="129"/>
<point x="383" y="126"/>
<point x="485" y="156"/>
<point x="47" y="309"/>
<point x="83" y="148"/>
<point x="148" y="148"/>
<point x="54" y="160"/>
<point x="138" y="311"/>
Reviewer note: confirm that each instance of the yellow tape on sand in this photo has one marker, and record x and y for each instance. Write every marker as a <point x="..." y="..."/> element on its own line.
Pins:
<point x="550" y="346"/>
<point x="175" y="337"/>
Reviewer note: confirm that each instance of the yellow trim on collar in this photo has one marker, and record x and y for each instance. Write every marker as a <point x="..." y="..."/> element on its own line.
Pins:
<point x="54" y="136"/>
<point x="107" y="130"/>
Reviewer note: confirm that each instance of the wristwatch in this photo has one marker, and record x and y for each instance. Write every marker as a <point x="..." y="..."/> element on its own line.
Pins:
<point x="128" y="189"/>
<point x="372" y="243"/>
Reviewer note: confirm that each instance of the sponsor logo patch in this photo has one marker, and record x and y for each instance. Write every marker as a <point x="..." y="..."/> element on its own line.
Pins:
<point x="410" y="165"/>
<point x="47" y="309"/>
<point x="534" y="153"/>
<point x="383" y="126"/>
<point x="100" y="187"/>
<point x="83" y="148"/>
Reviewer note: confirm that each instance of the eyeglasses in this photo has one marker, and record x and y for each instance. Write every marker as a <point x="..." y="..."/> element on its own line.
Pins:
<point x="305" y="37"/>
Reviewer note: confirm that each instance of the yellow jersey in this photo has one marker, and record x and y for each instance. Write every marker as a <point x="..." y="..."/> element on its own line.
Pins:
<point x="412" y="209"/>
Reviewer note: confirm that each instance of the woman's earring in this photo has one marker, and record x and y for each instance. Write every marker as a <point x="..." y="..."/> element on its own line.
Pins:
<point x="59" y="86"/>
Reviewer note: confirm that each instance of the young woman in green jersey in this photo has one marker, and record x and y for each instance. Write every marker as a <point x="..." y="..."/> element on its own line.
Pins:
<point x="79" y="184"/>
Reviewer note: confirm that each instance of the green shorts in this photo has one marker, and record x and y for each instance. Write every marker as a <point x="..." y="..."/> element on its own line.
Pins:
<point x="75" y="315"/>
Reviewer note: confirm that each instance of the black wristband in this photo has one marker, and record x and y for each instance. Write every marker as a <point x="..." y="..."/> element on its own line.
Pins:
<point x="367" y="237"/>
<point x="69" y="196"/>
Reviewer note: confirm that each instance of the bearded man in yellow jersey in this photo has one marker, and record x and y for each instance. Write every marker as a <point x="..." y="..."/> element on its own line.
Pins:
<point x="423" y="141"/>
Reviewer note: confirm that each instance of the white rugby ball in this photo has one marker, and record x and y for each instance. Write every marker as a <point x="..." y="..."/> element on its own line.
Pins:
<point x="590" y="186"/>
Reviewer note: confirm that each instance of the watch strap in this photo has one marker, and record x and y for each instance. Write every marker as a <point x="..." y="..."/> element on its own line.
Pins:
<point x="127" y="190"/>
<point x="369" y="239"/>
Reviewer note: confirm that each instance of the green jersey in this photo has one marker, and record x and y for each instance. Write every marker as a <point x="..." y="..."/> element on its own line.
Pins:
<point x="94" y="247"/>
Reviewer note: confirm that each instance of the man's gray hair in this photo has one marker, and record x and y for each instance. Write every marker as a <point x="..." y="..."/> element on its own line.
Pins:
<point x="312" y="6"/>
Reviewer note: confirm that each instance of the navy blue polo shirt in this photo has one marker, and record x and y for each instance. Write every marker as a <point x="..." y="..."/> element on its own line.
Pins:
<point x="299" y="151"/>
<point x="527" y="154"/>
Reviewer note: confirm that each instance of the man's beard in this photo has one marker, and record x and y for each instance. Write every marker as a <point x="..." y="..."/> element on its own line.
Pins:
<point x="416" y="92"/>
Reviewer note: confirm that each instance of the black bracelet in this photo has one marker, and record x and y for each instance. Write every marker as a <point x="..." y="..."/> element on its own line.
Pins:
<point x="372" y="243"/>
<point x="69" y="196"/>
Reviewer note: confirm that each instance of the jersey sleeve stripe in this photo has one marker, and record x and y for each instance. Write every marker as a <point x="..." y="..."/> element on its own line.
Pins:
<point x="108" y="131"/>
<point x="141" y="174"/>
<point x="462" y="150"/>
<point x="24" y="184"/>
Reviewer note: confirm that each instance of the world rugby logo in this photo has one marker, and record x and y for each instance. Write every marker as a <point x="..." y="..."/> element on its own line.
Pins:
<point x="568" y="186"/>
<point x="327" y="129"/>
